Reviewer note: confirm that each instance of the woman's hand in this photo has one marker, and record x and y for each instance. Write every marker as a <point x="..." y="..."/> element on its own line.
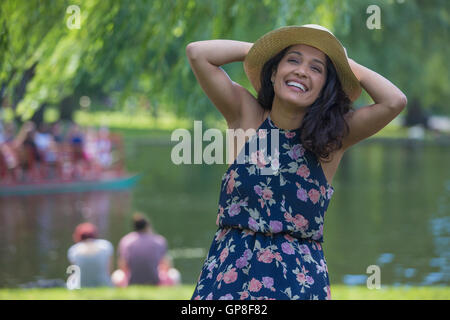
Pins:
<point x="380" y="89"/>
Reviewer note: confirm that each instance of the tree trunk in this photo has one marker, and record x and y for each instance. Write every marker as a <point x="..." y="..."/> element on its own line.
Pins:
<point x="416" y="115"/>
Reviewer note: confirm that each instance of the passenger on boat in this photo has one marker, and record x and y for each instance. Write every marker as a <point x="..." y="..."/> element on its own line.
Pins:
<point x="48" y="152"/>
<point x="79" y="159"/>
<point x="13" y="153"/>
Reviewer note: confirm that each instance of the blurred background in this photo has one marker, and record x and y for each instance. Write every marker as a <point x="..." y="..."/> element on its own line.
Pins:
<point x="121" y="66"/>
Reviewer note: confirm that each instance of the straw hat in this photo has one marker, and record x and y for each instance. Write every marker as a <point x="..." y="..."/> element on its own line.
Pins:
<point x="310" y="34"/>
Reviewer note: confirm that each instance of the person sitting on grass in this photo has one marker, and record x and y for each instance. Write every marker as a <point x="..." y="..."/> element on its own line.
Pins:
<point x="143" y="257"/>
<point x="92" y="255"/>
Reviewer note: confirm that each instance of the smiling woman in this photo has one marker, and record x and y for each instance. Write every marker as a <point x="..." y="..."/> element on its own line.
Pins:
<point x="269" y="241"/>
<point x="306" y="70"/>
<point x="322" y="104"/>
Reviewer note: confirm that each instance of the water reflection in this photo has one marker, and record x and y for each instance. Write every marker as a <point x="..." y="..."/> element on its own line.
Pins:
<point x="391" y="208"/>
<point x="36" y="231"/>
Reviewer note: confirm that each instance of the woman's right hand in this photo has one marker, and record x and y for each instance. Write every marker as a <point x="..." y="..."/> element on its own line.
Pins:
<point x="206" y="58"/>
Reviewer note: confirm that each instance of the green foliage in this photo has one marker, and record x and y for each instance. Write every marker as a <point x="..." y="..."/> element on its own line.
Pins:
<point x="409" y="49"/>
<point x="132" y="52"/>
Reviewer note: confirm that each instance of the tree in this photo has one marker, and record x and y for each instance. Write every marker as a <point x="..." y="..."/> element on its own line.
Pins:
<point x="409" y="49"/>
<point x="134" y="50"/>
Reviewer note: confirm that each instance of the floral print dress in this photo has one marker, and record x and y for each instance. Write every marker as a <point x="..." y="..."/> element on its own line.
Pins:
<point x="270" y="217"/>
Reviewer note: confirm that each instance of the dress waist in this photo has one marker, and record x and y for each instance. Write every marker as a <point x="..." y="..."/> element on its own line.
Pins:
<point x="281" y="233"/>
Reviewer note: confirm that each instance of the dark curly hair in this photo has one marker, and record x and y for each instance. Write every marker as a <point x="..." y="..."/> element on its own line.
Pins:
<point x="323" y="126"/>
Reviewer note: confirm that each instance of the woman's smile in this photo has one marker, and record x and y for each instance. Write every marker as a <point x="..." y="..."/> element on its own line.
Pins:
<point x="302" y="72"/>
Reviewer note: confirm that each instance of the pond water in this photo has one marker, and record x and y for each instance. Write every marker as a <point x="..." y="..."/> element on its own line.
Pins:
<point x="391" y="208"/>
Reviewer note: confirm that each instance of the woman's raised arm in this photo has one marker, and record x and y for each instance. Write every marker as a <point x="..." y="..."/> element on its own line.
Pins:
<point x="389" y="101"/>
<point x="205" y="58"/>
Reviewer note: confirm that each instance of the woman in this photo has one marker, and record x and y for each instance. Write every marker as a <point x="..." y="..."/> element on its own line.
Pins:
<point x="268" y="245"/>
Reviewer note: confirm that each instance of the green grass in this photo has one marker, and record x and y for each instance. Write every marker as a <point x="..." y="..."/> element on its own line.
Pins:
<point x="136" y="121"/>
<point x="184" y="292"/>
<point x="134" y="292"/>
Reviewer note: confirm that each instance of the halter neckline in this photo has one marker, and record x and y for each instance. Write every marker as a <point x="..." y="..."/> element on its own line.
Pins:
<point x="282" y="130"/>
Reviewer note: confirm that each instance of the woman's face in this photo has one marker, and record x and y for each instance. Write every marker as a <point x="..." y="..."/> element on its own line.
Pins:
<point x="300" y="75"/>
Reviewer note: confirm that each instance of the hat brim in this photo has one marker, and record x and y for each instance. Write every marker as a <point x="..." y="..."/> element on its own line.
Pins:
<point x="274" y="41"/>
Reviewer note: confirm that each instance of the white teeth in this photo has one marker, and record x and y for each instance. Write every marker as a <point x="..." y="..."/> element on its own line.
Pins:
<point x="296" y="84"/>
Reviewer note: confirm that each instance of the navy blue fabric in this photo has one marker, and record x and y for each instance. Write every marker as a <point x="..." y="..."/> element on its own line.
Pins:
<point x="271" y="214"/>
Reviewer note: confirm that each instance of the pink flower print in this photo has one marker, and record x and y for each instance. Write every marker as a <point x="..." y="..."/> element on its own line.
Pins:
<point x="288" y="217"/>
<point x="258" y="190"/>
<point x="278" y="257"/>
<point x="230" y="276"/>
<point x="235" y="209"/>
<point x="217" y="220"/>
<point x="301" y="278"/>
<point x="289" y="238"/>
<point x="254" y="285"/>
<point x="267" y="194"/>
<point x="289" y="135"/>
<point x="231" y="182"/>
<point x="296" y="152"/>
<point x="262" y="133"/>
<point x="258" y="159"/>
<point x="322" y="191"/>
<point x="303" y="171"/>
<point x="228" y="296"/>
<point x="328" y="291"/>
<point x="244" y="295"/>
<point x="265" y="256"/>
<point x="302" y="195"/>
<point x="300" y="222"/>
<point x="276" y="226"/>
<point x="267" y="282"/>
<point x="261" y="201"/>
<point x="275" y="164"/>
<point x="314" y="195"/>
<point x="219" y="277"/>
<point x="323" y="267"/>
<point x="210" y="296"/>
<point x="222" y="234"/>
<point x="309" y="280"/>
<point x="287" y="248"/>
<point x="224" y="254"/>
<point x="220" y="214"/>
